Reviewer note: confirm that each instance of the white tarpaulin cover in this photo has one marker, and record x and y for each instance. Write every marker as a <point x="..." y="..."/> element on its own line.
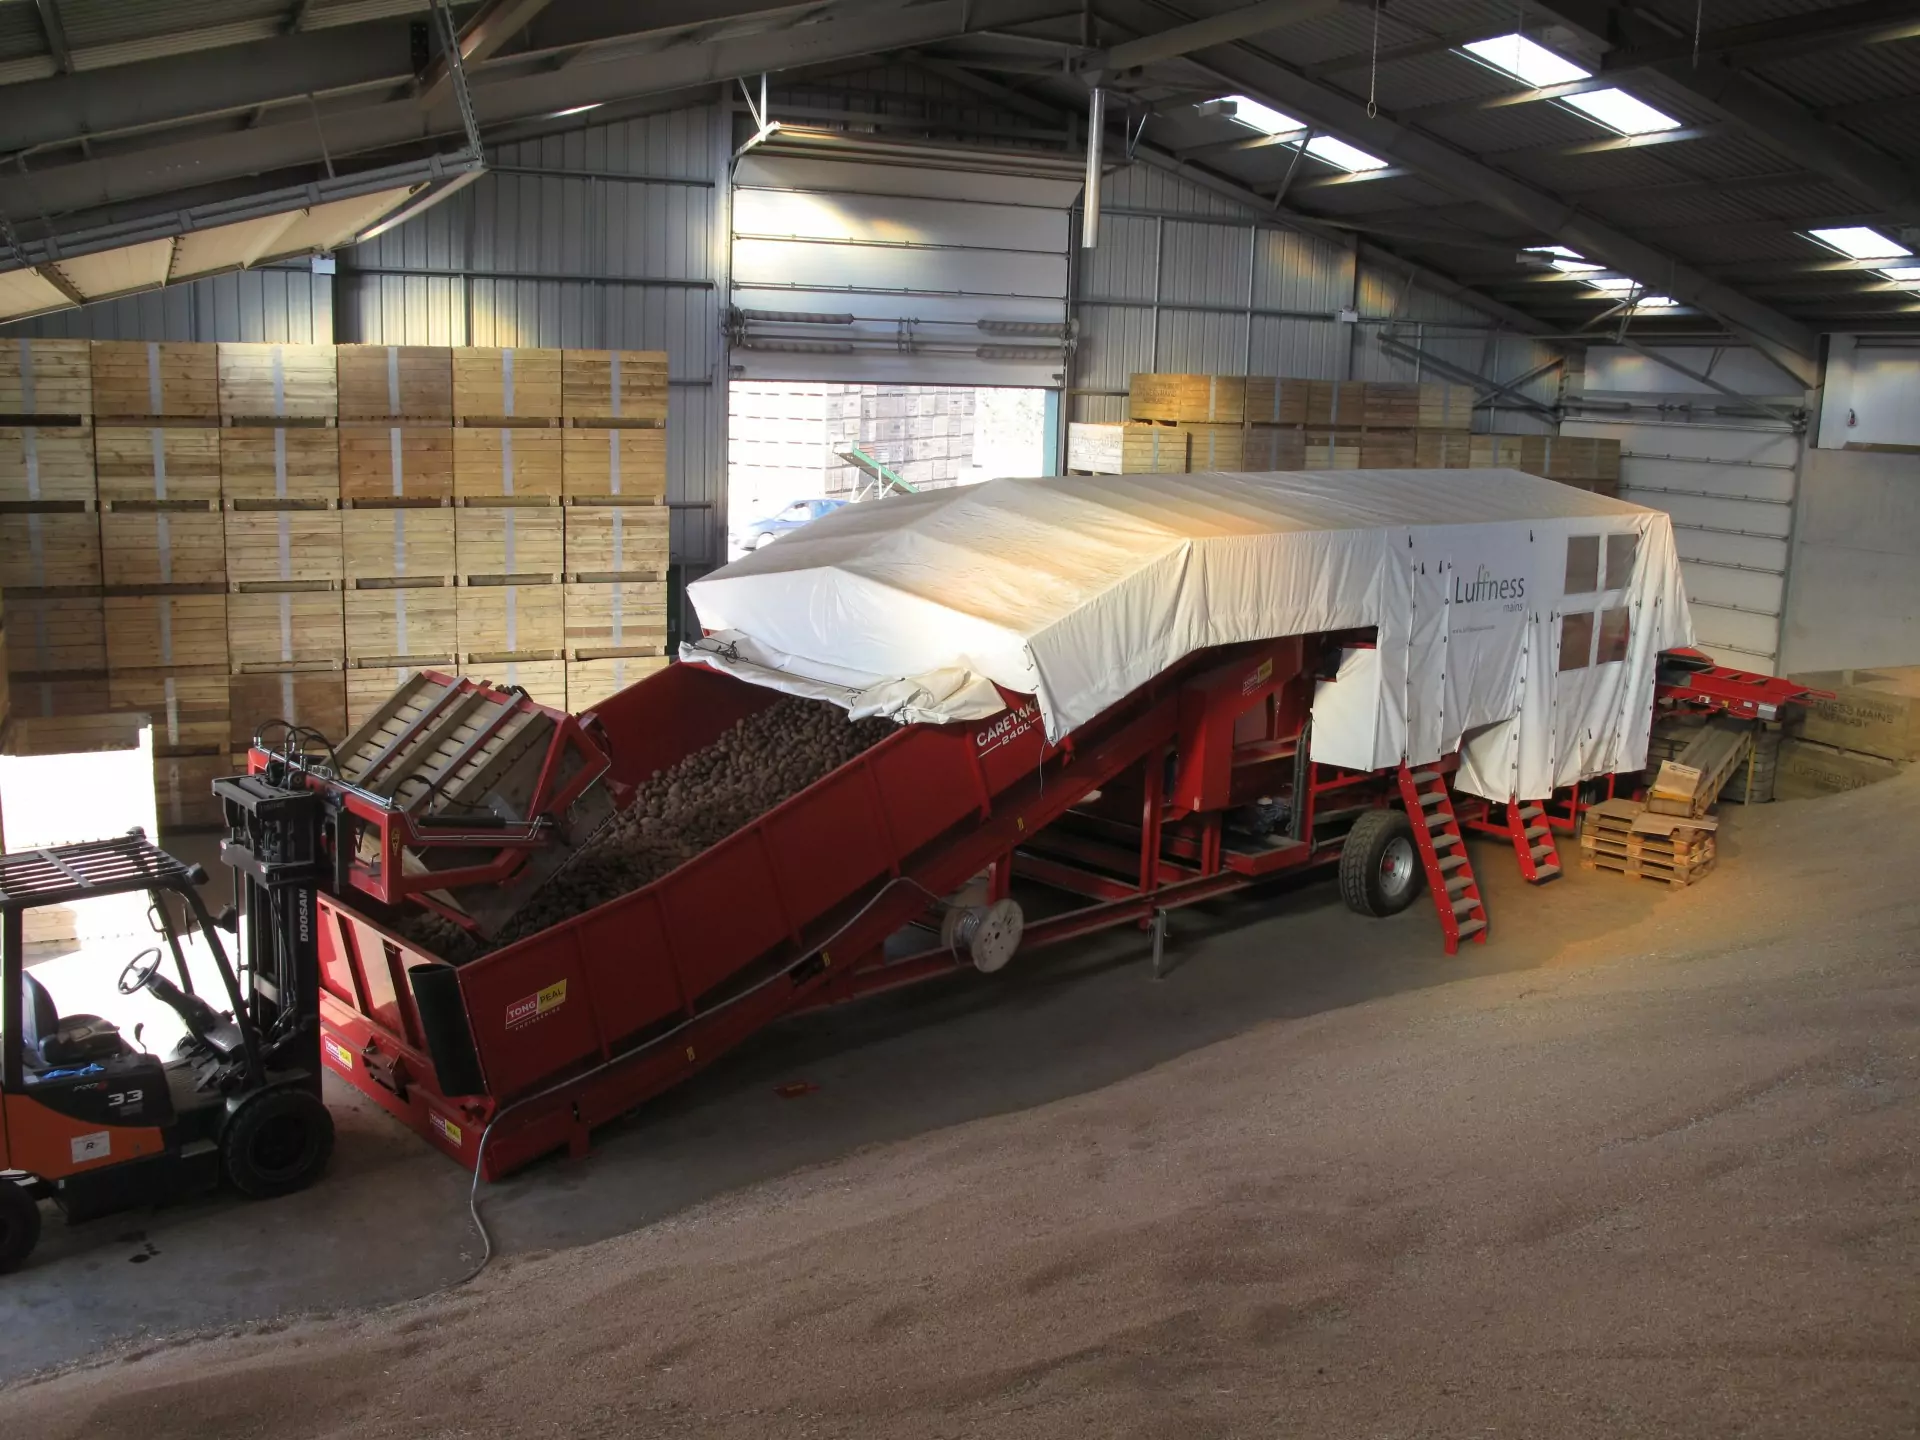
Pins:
<point x="1517" y="619"/>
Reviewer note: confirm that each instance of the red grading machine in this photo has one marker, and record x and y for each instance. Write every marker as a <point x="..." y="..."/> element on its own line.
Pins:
<point x="464" y="798"/>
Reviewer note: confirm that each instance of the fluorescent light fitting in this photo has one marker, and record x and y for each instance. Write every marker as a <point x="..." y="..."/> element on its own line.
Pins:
<point x="1619" y="283"/>
<point x="1526" y="60"/>
<point x="1859" y="242"/>
<point x="1576" y="267"/>
<point x="1350" y="158"/>
<point x="576" y="110"/>
<point x="1902" y="272"/>
<point x="1559" y="250"/>
<point x="1264" y="118"/>
<point x="1656" y="302"/>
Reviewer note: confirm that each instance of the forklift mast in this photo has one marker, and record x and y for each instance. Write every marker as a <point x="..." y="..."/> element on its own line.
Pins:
<point x="276" y="847"/>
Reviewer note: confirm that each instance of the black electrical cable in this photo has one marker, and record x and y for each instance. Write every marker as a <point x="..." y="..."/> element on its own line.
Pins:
<point x="480" y="1154"/>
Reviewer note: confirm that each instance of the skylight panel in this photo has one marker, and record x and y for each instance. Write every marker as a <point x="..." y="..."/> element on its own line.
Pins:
<point x="1860" y="242"/>
<point x="1264" y="118"/>
<point x="1339" y="152"/>
<point x="1526" y="60"/>
<point x="1620" y="111"/>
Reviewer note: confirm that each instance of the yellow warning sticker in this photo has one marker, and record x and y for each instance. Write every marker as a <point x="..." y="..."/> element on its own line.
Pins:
<point x="337" y="1052"/>
<point x="446" y="1127"/>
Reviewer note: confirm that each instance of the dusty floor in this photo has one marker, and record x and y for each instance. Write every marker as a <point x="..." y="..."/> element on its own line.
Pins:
<point x="1657" y="1179"/>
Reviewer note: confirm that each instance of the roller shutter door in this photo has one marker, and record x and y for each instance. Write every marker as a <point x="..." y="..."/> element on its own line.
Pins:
<point x="874" y="261"/>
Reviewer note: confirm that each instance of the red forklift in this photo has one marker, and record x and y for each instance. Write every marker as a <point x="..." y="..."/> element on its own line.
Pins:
<point x="97" y="1124"/>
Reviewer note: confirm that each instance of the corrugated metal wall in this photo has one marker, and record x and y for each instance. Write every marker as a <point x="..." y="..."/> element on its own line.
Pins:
<point x="1187" y="280"/>
<point x="284" y="303"/>
<point x="609" y="237"/>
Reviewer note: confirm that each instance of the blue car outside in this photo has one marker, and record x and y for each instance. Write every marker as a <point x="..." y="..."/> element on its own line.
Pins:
<point x="801" y="512"/>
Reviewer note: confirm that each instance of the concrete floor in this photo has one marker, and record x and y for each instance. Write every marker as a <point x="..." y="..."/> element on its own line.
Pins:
<point x="389" y="1223"/>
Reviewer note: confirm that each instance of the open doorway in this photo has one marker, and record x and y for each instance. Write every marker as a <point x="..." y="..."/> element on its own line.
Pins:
<point x="797" y="449"/>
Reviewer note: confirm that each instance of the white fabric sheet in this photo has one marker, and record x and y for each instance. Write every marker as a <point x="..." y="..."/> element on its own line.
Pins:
<point x="1078" y="589"/>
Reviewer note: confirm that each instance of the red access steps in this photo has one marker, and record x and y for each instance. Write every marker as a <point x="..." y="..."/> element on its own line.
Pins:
<point x="1443" y="853"/>
<point x="1532" y="840"/>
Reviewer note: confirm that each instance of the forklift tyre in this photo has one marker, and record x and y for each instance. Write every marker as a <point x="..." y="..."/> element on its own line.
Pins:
<point x="278" y="1143"/>
<point x="1379" y="866"/>
<point x="19" y="1225"/>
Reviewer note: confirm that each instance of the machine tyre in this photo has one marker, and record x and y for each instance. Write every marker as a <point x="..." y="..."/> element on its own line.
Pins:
<point x="1379" y="865"/>
<point x="278" y="1143"/>
<point x="19" y="1225"/>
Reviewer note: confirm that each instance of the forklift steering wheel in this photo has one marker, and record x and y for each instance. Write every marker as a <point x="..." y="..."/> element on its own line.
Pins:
<point x="139" y="971"/>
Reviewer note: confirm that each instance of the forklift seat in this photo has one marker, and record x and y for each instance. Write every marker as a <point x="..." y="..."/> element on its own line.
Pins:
<point x="50" y="1041"/>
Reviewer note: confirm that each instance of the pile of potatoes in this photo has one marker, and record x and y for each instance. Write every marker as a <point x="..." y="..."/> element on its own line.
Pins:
<point x="680" y="812"/>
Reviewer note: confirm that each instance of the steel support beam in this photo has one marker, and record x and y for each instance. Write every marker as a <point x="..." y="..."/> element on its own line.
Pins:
<point x="1464" y="376"/>
<point x="497" y="23"/>
<point x="1261" y="206"/>
<point x="528" y="94"/>
<point x="1241" y="68"/>
<point x="56" y="33"/>
<point x="1763" y="110"/>
<point x="1171" y="44"/>
<point x="1869" y="22"/>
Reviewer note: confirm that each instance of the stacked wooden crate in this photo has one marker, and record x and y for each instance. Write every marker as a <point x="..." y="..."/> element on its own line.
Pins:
<point x="1867" y="732"/>
<point x="1182" y="423"/>
<point x="1257" y="422"/>
<point x="163" y="553"/>
<point x="615" y="475"/>
<point x="509" y="545"/>
<point x="50" y="535"/>
<point x="280" y="492"/>
<point x="397" y="487"/>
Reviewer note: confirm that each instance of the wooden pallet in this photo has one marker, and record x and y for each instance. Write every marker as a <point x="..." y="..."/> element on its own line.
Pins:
<point x="283" y="550"/>
<point x="545" y="681"/>
<point x="46" y="464"/>
<point x="388" y="628"/>
<point x="140" y="380"/>
<point x="371" y="686"/>
<point x="402" y="546"/>
<point x="316" y="699"/>
<point x="508" y="467"/>
<point x="506" y="622"/>
<point x="268" y="384"/>
<point x="172" y="629"/>
<point x="287" y="630"/>
<point x="591" y="681"/>
<point x="1637" y="870"/>
<point x="610" y="388"/>
<point x="46" y="377"/>
<point x="604" y="466"/>
<point x="493" y="545"/>
<point x="1154" y="449"/>
<point x="418" y="750"/>
<point x="279" y="467"/>
<point x="616" y="620"/>
<point x="1274" y="401"/>
<point x="412" y="383"/>
<point x="492" y="385"/>
<point x="396" y="463"/>
<point x="152" y="462"/>
<point x="49" y="634"/>
<point x="617" y="542"/>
